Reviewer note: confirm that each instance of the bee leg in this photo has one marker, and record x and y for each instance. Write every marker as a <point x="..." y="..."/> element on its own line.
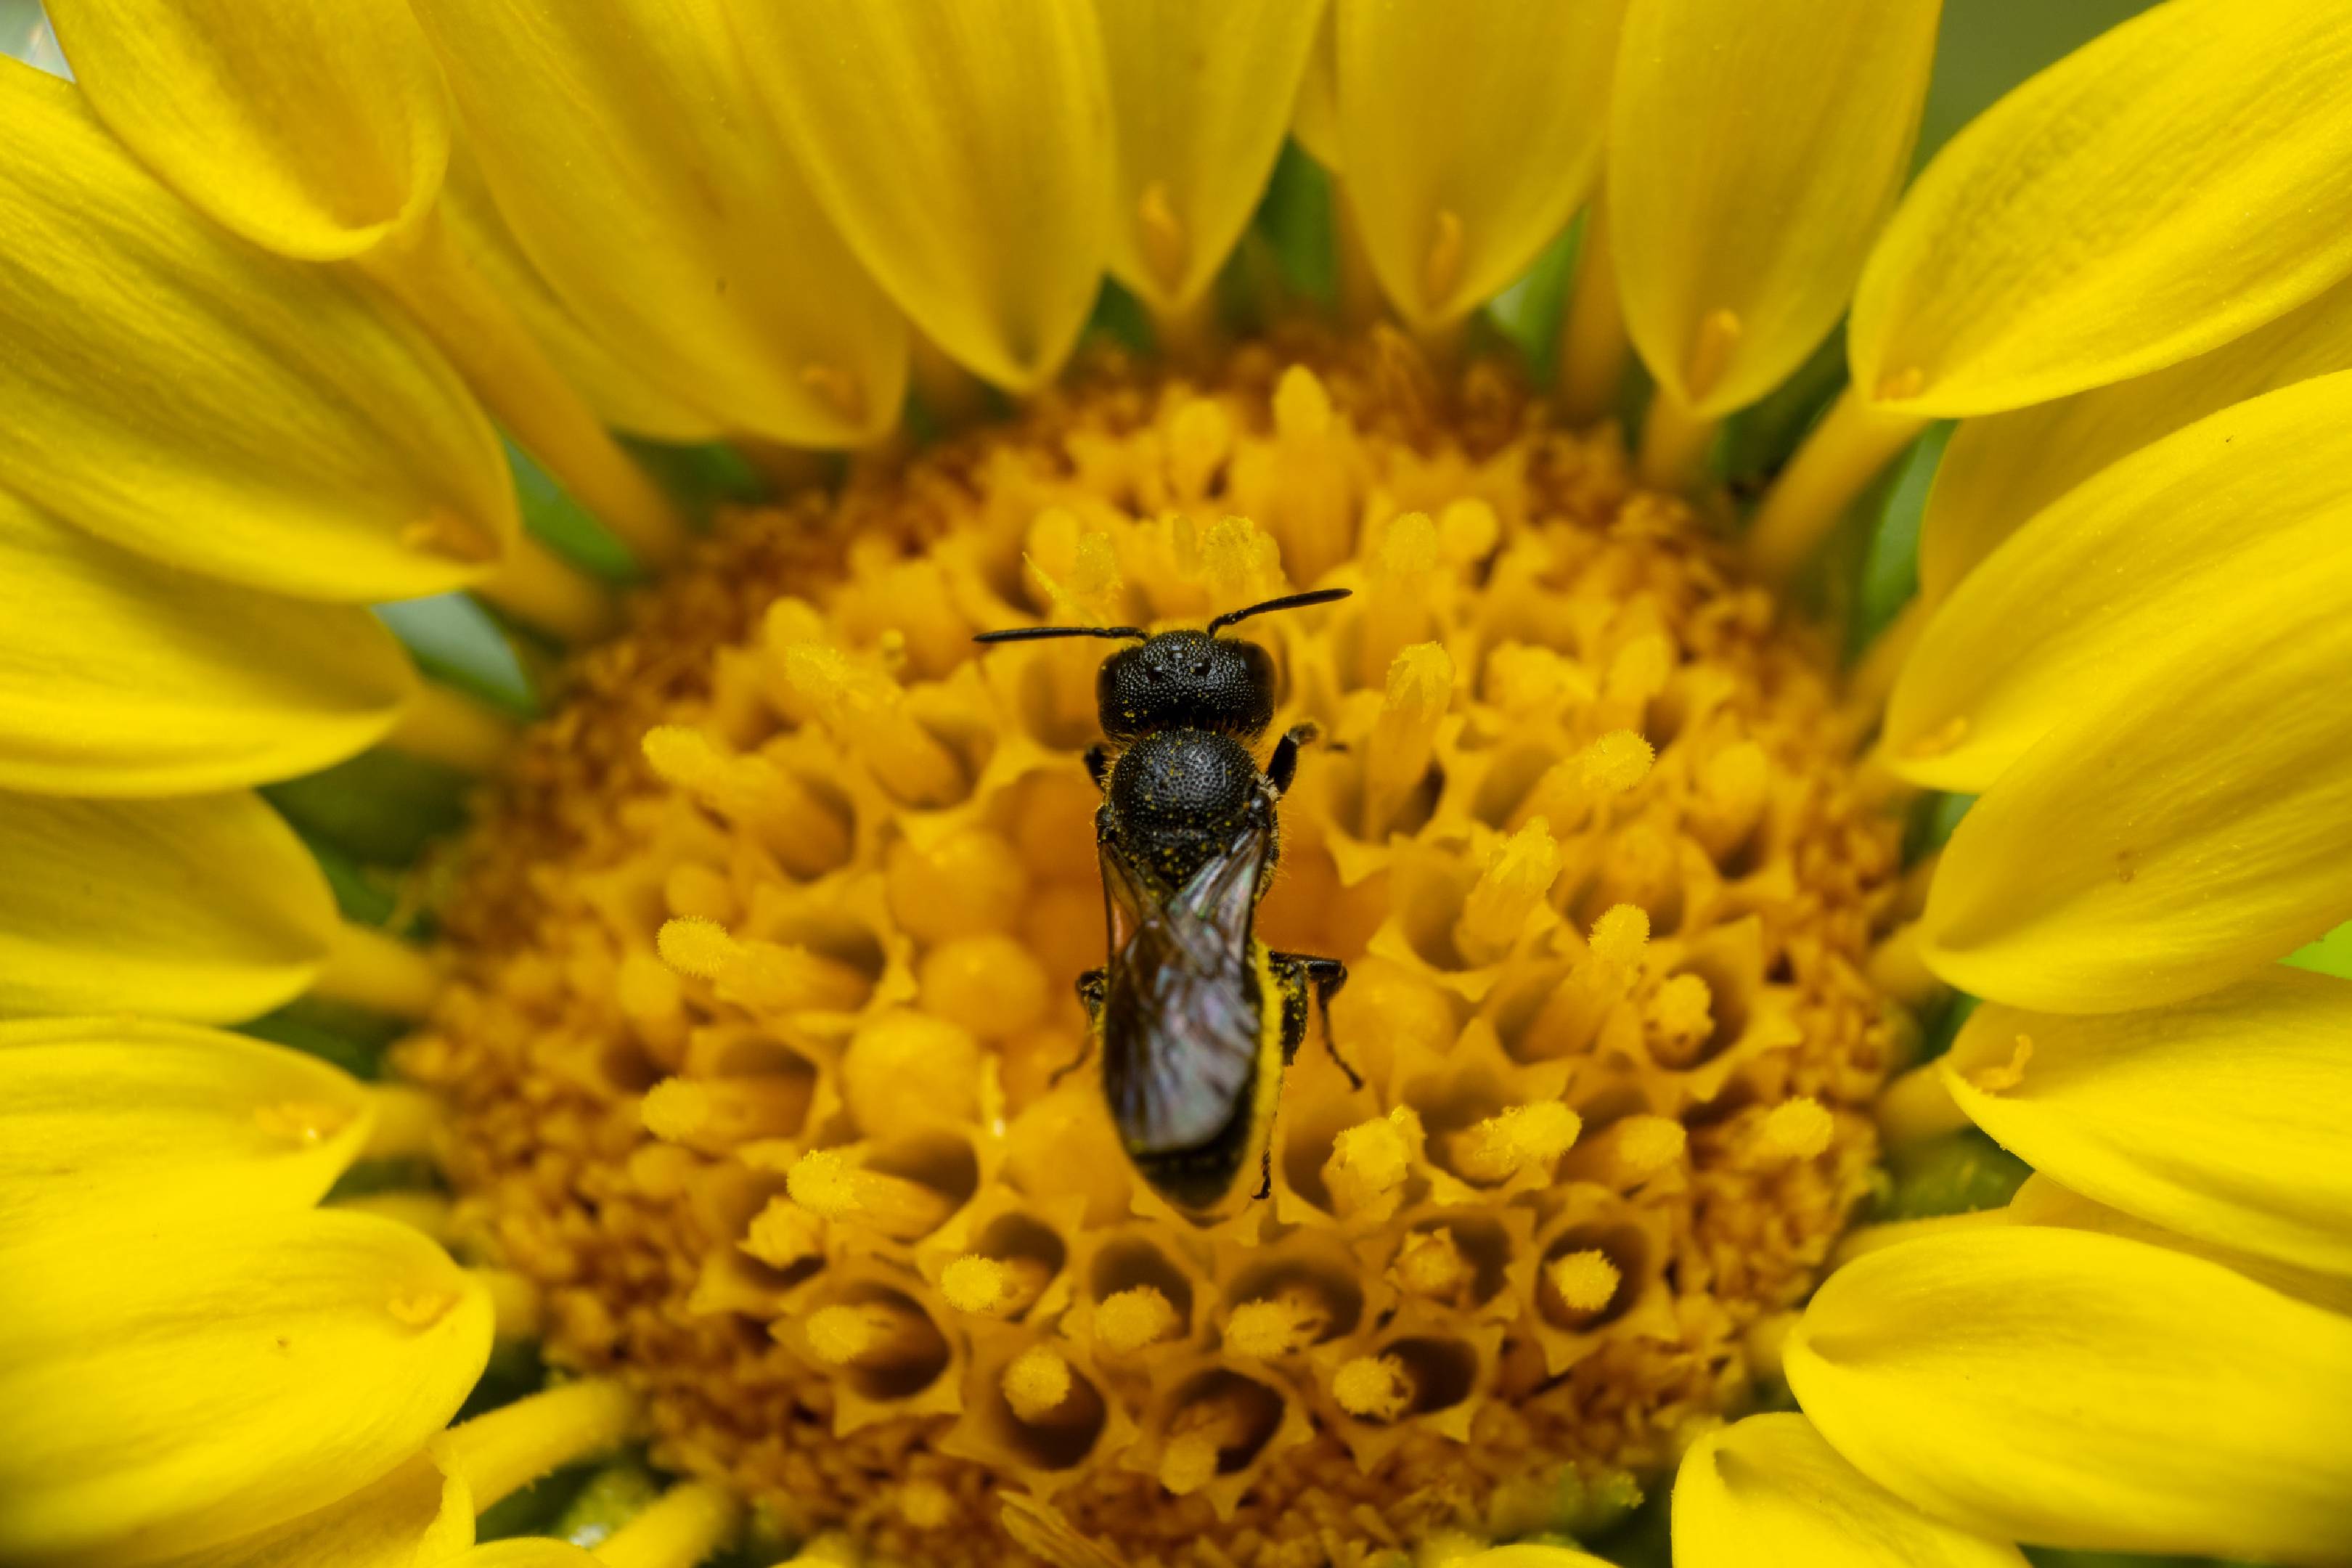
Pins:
<point x="1090" y="992"/>
<point x="1098" y="765"/>
<point x="1283" y="766"/>
<point x="1266" y="1174"/>
<point x="1326" y="975"/>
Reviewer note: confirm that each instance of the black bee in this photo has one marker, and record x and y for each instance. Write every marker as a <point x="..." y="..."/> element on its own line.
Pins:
<point x="1192" y="1051"/>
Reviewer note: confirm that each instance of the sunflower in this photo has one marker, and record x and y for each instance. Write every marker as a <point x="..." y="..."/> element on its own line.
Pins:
<point x="538" y="956"/>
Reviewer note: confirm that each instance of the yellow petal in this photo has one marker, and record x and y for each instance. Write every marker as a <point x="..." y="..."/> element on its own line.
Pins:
<point x="312" y="130"/>
<point x="1999" y="472"/>
<point x="1767" y="1492"/>
<point x="2190" y="829"/>
<point x="108" y="1116"/>
<point x="1315" y="121"/>
<point x="2079" y="1390"/>
<point x="963" y="147"/>
<point x="205" y="907"/>
<point x="2176" y="182"/>
<point x="168" y="1387"/>
<point x="1201" y="93"/>
<point x="120" y="675"/>
<point x="2160" y="558"/>
<point x="620" y="395"/>
<point x="1754" y="147"/>
<point x="678" y="233"/>
<point x="1469" y="131"/>
<point x="527" y="1552"/>
<point x="413" y="1518"/>
<point x="2041" y="1201"/>
<point x="173" y="389"/>
<point x="2222" y="1118"/>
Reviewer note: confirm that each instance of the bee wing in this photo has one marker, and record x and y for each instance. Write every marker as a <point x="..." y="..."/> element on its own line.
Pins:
<point x="1181" y="1018"/>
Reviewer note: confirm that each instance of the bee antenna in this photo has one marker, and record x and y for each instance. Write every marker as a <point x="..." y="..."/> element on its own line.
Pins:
<point x="1287" y="602"/>
<point x="1040" y="633"/>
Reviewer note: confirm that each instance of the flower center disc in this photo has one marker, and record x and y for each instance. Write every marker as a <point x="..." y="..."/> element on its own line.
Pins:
<point x="763" y="963"/>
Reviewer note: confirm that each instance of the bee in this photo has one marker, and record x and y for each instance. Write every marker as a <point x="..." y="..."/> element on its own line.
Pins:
<point x="1195" y="1016"/>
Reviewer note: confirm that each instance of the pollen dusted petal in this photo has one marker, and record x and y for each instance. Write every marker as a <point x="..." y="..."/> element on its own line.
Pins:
<point x="342" y="1342"/>
<point x="1470" y="133"/>
<point x="2178" y="181"/>
<point x="2086" y="1392"/>
<point x="163" y="1120"/>
<point x="683" y="237"/>
<point x="122" y="676"/>
<point x="2179" y="836"/>
<point x="966" y="159"/>
<point x="1768" y="1491"/>
<point x="350" y="151"/>
<point x="205" y="907"/>
<point x="2000" y="471"/>
<point x="899" y="1244"/>
<point x="1754" y="149"/>
<point x="173" y="389"/>
<point x="2221" y="1118"/>
<point x="2117" y="576"/>
<point x="1191" y="149"/>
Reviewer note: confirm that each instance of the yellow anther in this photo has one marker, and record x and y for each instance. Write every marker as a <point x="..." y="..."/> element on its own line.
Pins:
<point x="1639" y="669"/>
<point x="1940" y="739"/>
<point x="1161" y="234"/>
<point x="995" y="1287"/>
<point x="1683" y="1009"/>
<point x="1131" y="1319"/>
<point x="970" y="882"/>
<point x="753" y="793"/>
<point x="1370" y="1160"/>
<point x="1795" y="1129"/>
<point x="1240" y="562"/>
<point x="1279" y="1325"/>
<point x="1586" y="1280"/>
<point x="1442" y="270"/>
<point x="1199" y="438"/>
<point x="442" y="532"/>
<point x="1036" y="1383"/>
<point x="1404" y="736"/>
<point x="719" y="1113"/>
<point x="1467" y="530"/>
<point x="1902" y="384"/>
<point x="1710" y="355"/>
<point x="840" y="388"/>
<point x="698" y="947"/>
<point x="1301" y="406"/>
<point x="1642" y="1145"/>
<point x="905" y="1069"/>
<point x="1373" y="1388"/>
<point x="866" y="713"/>
<point x="1512" y="1141"/>
<point x="1508" y="890"/>
<point x="1197" y="1440"/>
<point x="1736" y="776"/>
<point x="422" y="1309"/>
<point x="1432" y="1263"/>
<point x="760" y="974"/>
<point x="2008" y="1074"/>
<point x="874" y="1334"/>
<point x="1529" y="681"/>
<point x="1621" y="934"/>
<point x="831" y="1184"/>
<point x="1615" y="762"/>
<point x="784" y="1235"/>
<point x="1408" y="550"/>
<point x="302" y="1121"/>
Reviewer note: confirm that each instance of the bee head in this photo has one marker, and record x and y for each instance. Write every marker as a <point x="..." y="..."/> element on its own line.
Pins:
<point x="1186" y="681"/>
